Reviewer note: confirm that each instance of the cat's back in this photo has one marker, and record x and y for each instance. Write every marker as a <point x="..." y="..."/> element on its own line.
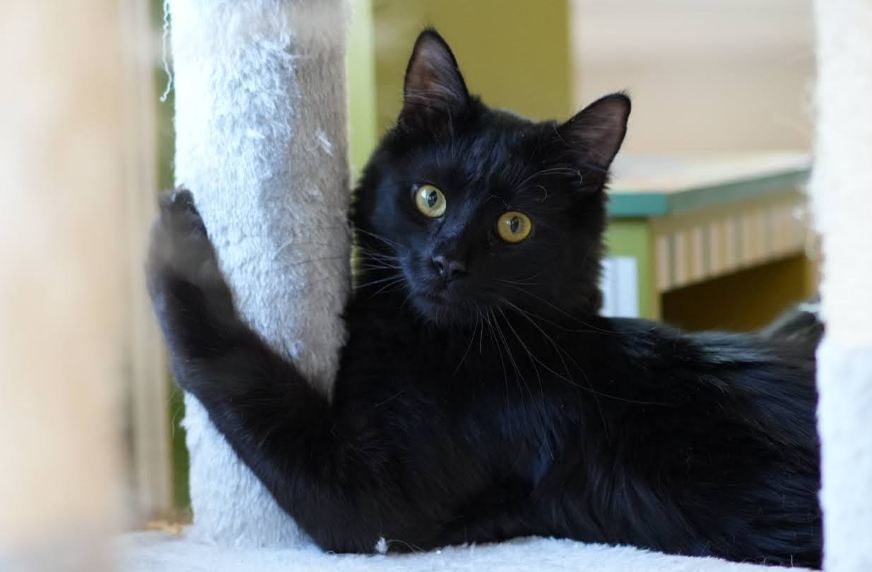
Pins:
<point x="714" y="434"/>
<point x="708" y="389"/>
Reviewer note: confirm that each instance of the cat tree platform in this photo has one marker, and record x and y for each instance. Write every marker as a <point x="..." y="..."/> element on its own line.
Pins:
<point x="160" y="551"/>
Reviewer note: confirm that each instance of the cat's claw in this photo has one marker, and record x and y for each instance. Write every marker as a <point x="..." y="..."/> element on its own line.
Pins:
<point x="177" y="209"/>
<point x="180" y="246"/>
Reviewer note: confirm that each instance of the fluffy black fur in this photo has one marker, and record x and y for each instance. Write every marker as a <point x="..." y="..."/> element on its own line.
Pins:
<point x="480" y="395"/>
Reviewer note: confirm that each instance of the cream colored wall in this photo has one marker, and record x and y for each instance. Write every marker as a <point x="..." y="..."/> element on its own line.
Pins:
<point x="705" y="75"/>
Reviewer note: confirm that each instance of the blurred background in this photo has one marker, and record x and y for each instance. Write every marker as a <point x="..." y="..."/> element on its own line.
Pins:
<point x="708" y="226"/>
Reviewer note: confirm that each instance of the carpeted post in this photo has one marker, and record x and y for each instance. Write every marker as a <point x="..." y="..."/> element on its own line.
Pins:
<point x="261" y="142"/>
<point x="842" y="198"/>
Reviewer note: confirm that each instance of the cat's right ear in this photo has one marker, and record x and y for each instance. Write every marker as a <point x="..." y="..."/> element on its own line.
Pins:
<point x="596" y="132"/>
<point x="433" y="81"/>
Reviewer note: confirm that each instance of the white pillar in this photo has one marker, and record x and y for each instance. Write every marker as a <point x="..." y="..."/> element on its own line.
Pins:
<point x="842" y="198"/>
<point x="261" y="142"/>
<point x="61" y="272"/>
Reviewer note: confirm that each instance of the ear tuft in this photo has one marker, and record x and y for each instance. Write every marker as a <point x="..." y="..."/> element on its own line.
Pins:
<point x="433" y="80"/>
<point x="596" y="132"/>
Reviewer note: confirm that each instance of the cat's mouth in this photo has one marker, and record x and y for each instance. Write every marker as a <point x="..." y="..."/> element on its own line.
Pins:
<point x="440" y="306"/>
<point x="438" y="298"/>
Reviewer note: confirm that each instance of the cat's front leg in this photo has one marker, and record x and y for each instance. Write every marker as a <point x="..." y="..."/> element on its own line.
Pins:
<point x="213" y="353"/>
<point x="335" y="478"/>
<point x="192" y="301"/>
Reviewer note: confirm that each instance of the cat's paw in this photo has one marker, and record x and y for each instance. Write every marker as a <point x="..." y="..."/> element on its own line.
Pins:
<point x="179" y="213"/>
<point x="180" y="250"/>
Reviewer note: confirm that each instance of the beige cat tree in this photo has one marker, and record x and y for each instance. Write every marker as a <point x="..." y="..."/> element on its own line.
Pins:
<point x="261" y="130"/>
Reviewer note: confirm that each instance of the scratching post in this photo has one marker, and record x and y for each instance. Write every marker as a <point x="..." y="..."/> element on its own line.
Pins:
<point x="842" y="196"/>
<point x="261" y="143"/>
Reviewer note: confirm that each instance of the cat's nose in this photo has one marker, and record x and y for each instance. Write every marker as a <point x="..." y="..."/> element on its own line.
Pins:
<point x="448" y="269"/>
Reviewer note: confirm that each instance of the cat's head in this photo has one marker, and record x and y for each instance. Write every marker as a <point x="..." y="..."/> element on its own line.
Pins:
<point x="467" y="209"/>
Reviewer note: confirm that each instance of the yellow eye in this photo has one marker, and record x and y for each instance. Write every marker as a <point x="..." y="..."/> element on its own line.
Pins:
<point x="430" y="201"/>
<point x="514" y="226"/>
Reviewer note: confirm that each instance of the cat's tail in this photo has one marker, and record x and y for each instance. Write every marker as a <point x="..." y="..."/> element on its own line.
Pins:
<point x="799" y="326"/>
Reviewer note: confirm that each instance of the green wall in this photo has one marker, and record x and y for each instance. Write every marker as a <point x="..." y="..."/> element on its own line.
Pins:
<point x="361" y="66"/>
<point x="514" y="53"/>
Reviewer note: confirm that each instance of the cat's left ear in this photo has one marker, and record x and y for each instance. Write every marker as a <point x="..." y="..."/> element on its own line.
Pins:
<point x="433" y="80"/>
<point x="596" y="132"/>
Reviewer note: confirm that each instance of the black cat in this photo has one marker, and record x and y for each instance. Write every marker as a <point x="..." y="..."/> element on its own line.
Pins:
<point x="480" y="395"/>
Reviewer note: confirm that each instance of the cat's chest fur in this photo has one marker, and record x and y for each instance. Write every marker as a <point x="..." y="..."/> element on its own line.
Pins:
<point x="503" y="398"/>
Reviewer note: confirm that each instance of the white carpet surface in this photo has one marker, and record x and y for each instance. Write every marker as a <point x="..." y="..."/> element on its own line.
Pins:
<point x="158" y="552"/>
